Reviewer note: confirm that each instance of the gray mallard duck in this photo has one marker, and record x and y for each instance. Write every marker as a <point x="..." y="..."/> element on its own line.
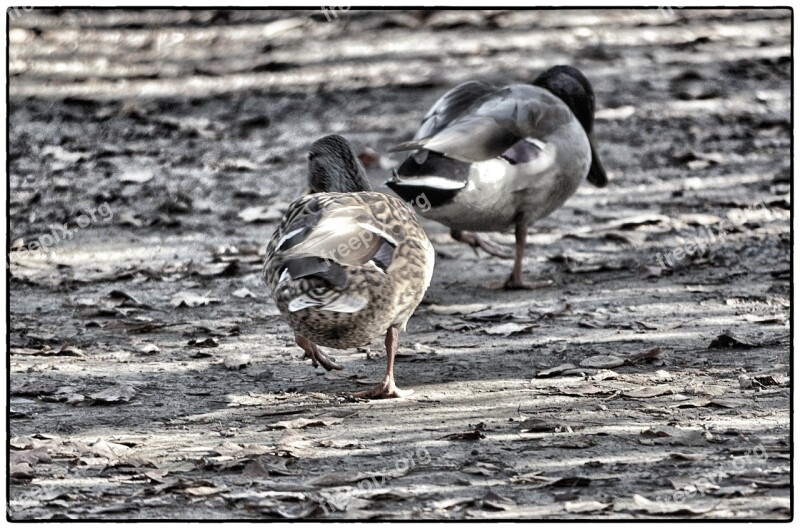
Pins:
<point x="347" y="263"/>
<point x="488" y="158"/>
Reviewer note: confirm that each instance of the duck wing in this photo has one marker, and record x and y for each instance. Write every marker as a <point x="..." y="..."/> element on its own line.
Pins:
<point x="494" y="123"/>
<point x="332" y="226"/>
<point x="323" y="236"/>
<point x="452" y="105"/>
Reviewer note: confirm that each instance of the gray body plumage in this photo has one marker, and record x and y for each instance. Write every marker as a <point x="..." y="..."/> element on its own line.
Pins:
<point x="488" y="127"/>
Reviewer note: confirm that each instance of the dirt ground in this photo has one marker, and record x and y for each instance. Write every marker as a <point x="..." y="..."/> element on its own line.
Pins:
<point x="152" y="376"/>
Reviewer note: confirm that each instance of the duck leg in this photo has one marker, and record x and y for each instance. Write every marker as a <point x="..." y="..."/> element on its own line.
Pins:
<point x="316" y="355"/>
<point x="476" y="241"/>
<point x="386" y="388"/>
<point x="515" y="280"/>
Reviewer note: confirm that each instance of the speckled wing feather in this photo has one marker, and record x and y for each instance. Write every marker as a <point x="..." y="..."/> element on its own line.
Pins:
<point x="370" y="239"/>
<point x="333" y="227"/>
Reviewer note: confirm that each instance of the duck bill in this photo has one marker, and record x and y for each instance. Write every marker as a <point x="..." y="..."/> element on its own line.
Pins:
<point x="597" y="175"/>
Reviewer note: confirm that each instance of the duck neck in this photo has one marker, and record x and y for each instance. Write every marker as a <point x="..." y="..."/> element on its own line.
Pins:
<point x="348" y="180"/>
<point x="338" y="174"/>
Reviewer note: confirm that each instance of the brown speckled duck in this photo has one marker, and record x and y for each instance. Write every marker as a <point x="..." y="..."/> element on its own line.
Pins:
<point x="347" y="263"/>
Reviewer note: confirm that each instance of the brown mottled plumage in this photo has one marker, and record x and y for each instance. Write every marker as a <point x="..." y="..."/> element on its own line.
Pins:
<point x="344" y="267"/>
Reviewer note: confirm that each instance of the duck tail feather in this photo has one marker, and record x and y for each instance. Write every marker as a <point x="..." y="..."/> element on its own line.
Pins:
<point x="410" y="145"/>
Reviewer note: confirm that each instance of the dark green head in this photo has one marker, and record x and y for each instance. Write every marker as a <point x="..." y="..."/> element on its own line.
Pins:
<point x="573" y="88"/>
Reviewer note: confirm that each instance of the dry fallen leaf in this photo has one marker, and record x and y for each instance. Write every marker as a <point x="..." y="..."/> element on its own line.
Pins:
<point x="267" y="465"/>
<point x="200" y="487"/>
<point x="778" y="319"/>
<point x="110" y="450"/>
<point x="542" y="425"/>
<point x="205" y="343"/>
<point x="300" y="423"/>
<point x="585" y="506"/>
<point x="262" y="213"/>
<point x="120" y="393"/>
<point x="189" y="299"/>
<point x="297" y="511"/>
<point x="647" y="392"/>
<point x="21" y="443"/>
<point x="137" y="176"/>
<point x="507" y="329"/>
<point x="604" y="374"/>
<point x="203" y="490"/>
<point x="69" y="350"/>
<point x="235" y="164"/>
<point x="74" y="399"/>
<point x="21" y="470"/>
<point x="585" y="390"/>
<point x="335" y="479"/>
<point x="553" y="371"/>
<point x="474" y="435"/>
<point x="214" y="269"/>
<point x="157" y="475"/>
<point x="295" y="445"/>
<point x="148" y="349"/>
<point x="451" y="310"/>
<point x="642" y="504"/>
<point x="235" y="361"/>
<point x="603" y="361"/>
<point x="119" y="298"/>
<point x="237" y="450"/>
<point x="531" y="477"/>
<point x="243" y="293"/>
<point x="495" y="502"/>
<point x="687" y="457"/>
<point x="568" y="482"/>
<point x="777" y="380"/>
<point x="728" y="340"/>
<point x="22" y="462"/>
<point x="704" y="389"/>
<point x="655" y="353"/>
<point x="674" y="436"/>
<point x="449" y="503"/>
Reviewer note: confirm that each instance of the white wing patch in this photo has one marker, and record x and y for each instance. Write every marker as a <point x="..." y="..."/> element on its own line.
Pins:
<point x="303" y="302"/>
<point x="338" y="229"/>
<point x="545" y="161"/>
<point x="380" y="233"/>
<point x="539" y="143"/>
<point x="345" y="303"/>
<point x="436" y="182"/>
<point x="286" y="237"/>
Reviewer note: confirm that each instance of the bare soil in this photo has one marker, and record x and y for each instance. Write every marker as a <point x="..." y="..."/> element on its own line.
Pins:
<point x="152" y="376"/>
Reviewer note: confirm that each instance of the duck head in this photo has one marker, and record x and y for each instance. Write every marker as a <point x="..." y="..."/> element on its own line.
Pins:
<point x="573" y="88"/>
<point x="334" y="168"/>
